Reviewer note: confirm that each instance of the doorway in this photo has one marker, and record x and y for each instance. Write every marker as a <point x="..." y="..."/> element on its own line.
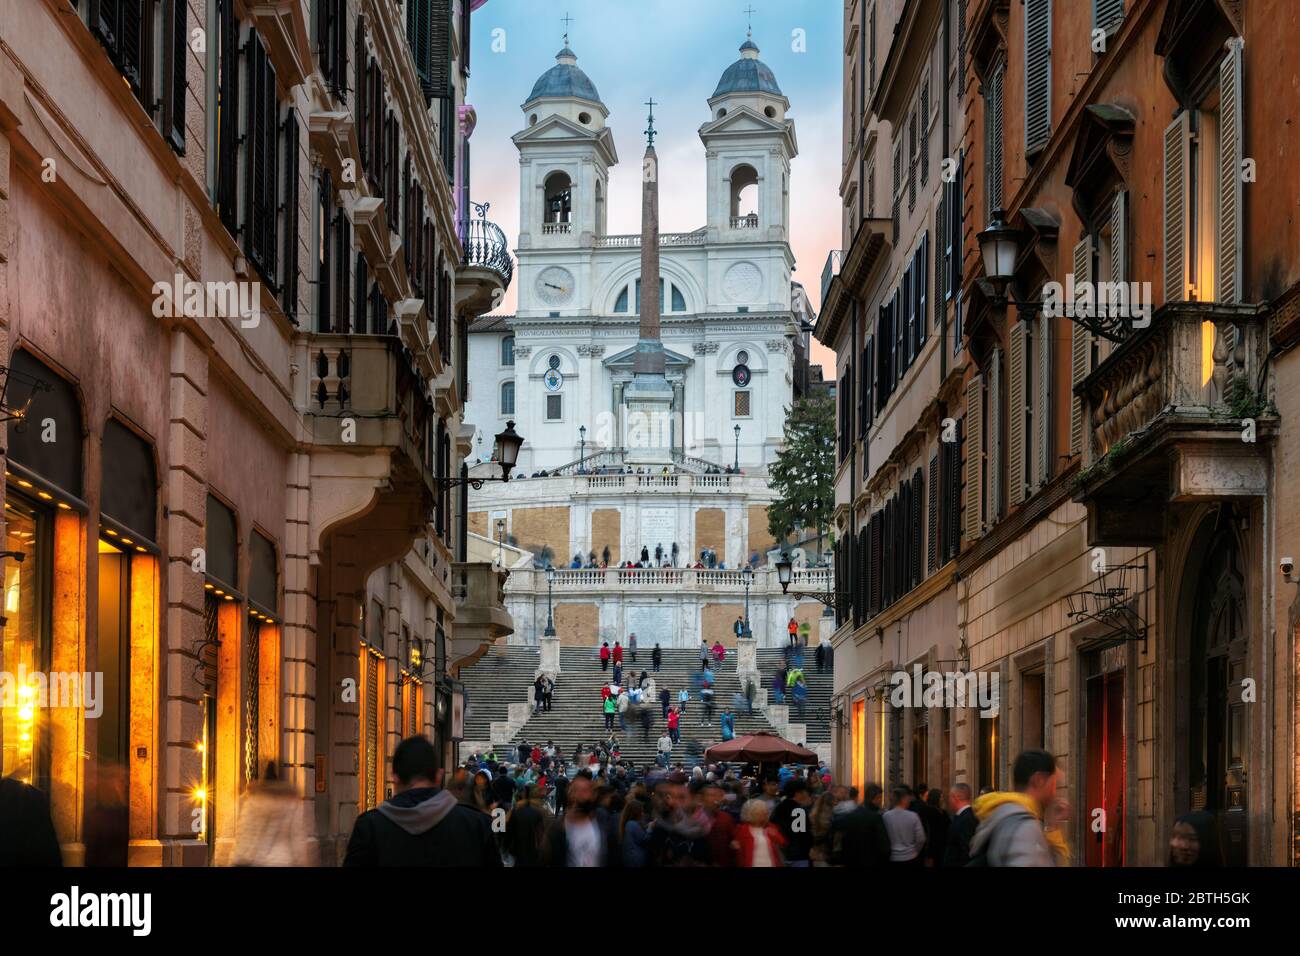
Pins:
<point x="1105" y="756"/>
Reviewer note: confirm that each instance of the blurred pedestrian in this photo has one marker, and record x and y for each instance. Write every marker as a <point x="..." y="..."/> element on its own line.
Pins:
<point x="906" y="832"/>
<point x="859" y="837"/>
<point x="791" y="817"/>
<point x="634" y="834"/>
<point x="631" y="646"/>
<point x="961" y="826"/>
<point x="757" y="842"/>
<point x="27" y="836"/>
<point x="656" y="658"/>
<point x="1019" y="828"/>
<point x="421" y="825"/>
<point x="526" y="827"/>
<point x="577" y="839"/>
<point x="604" y="656"/>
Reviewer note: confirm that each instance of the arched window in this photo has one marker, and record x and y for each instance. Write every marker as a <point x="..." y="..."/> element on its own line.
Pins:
<point x="744" y="195"/>
<point x="559" y="199"/>
<point x="620" y="305"/>
<point x="507" y="398"/>
<point x="671" y="298"/>
<point x="508" y="350"/>
<point x="679" y="301"/>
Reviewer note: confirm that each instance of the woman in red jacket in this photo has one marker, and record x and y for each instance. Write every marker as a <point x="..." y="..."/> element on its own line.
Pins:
<point x="757" y="842"/>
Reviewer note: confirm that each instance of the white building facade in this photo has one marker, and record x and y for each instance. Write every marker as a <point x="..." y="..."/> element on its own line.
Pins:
<point x="560" y="366"/>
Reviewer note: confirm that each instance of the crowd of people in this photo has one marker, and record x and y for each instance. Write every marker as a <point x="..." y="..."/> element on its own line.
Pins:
<point x="715" y="815"/>
<point x="659" y="558"/>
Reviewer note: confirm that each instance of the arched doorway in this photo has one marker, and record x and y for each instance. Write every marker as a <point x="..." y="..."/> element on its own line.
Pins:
<point x="1216" y="641"/>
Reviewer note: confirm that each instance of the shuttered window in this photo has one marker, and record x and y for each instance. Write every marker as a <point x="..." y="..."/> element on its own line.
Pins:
<point x="922" y="282"/>
<point x="993" y="144"/>
<point x="440" y="49"/>
<point x="324" y="240"/>
<point x="993" y="439"/>
<point x="419" y="35"/>
<point x="1230" y="185"/>
<point x="1177" y="196"/>
<point x="916" y="533"/>
<point x="261" y="179"/>
<point x="932" y="516"/>
<point x="908" y="351"/>
<point x="1041" y="380"/>
<point x="1020" y="419"/>
<point x="1107" y="14"/>
<point x="913" y="158"/>
<point x="950" y="522"/>
<point x="898" y="188"/>
<point x="925" y="128"/>
<point x="175" y="64"/>
<point x="361" y="105"/>
<point x="127" y="35"/>
<point x="1038" y="74"/>
<point x="363" y="293"/>
<point x="332" y="45"/>
<point x="1119" y="236"/>
<point x="342" y="270"/>
<point x="290" y="212"/>
<point x="1081" y="346"/>
<point x="974" y="485"/>
<point x="227" y="126"/>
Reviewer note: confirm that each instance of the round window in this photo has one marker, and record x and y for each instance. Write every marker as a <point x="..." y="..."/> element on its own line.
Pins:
<point x="742" y="357"/>
<point x="770" y="112"/>
<point x="584" y="118"/>
<point x="554" y="361"/>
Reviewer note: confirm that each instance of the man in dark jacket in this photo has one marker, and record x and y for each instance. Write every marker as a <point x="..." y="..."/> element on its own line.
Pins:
<point x="503" y="788"/>
<point x="526" y="828"/>
<point x="792" y="818"/>
<point x="421" y="825"/>
<point x="859" y="837"/>
<point x="656" y="658"/>
<point x="26" y="832"/>
<point x="962" y="827"/>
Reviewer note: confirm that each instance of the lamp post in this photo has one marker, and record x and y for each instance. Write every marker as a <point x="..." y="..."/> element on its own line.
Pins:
<point x="747" y="575"/>
<point x="550" y="620"/>
<point x="501" y="541"/>
<point x="582" y="446"/>
<point x="508" y="443"/>
<point x="737" y="466"/>
<point x="836" y="600"/>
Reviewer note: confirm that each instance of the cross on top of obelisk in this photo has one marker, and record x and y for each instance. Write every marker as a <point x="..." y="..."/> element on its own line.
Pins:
<point x="650" y="130"/>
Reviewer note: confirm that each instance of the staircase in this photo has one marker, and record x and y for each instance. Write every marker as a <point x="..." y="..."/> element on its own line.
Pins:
<point x="576" y="715"/>
<point x="816" y="720"/>
<point x="502" y="680"/>
<point x="501" y="677"/>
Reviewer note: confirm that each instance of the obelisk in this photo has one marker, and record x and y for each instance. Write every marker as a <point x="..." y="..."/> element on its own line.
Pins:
<point x="649" y="397"/>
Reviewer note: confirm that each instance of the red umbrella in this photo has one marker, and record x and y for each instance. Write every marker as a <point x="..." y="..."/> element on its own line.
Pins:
<point x="762" y="747"/>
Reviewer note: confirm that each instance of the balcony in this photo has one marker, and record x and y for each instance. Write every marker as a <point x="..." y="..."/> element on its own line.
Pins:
<point x="696" y="238"/>
<point x="745" y="222"/>
<point x="481" y="616"/>
<point x="829" y="271"/>
<point x="557" y="228"/>
<point x="486" y="267"/>
<point x="1173" y="415"/>
<point x="365" y="396"/>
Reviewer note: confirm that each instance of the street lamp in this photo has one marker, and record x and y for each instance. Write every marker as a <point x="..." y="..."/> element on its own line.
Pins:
<point x="737" y="448"/>
<point x="836" y="600"/>
<point x="582" y="445"/>
<point x="1000" y="248"/>
<point x="501" y="540"/>
<point x="747" y="575"/>
<point x="506" y="454"/>
<point x="550" y="620"/>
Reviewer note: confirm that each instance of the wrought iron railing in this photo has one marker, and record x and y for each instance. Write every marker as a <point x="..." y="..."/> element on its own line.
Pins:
<point x="485" y="244"/>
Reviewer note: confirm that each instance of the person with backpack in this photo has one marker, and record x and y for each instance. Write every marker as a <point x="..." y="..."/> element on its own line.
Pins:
<point x="610" y="707"/>
<point x="656" y="658"/>
<point x="1020" y="827"/>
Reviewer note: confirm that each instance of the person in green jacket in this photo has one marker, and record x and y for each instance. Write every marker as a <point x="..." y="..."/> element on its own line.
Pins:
<point x="611" y="707"/>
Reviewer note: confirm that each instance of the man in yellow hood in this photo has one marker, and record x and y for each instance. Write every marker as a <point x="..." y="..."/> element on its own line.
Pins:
<point x="1011" y="831"/>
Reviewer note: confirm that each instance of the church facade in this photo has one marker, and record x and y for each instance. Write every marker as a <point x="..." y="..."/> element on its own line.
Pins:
<point x="603" y="478"/>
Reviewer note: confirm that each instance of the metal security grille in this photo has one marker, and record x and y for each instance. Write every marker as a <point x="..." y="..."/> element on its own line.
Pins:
<point x="895" y="746"/>
<point x="251" y="696"/>
<point x="208" y="652"/>
<point x="370" y="744"/>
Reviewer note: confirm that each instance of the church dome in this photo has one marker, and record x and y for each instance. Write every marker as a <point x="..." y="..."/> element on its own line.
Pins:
<point x="565" y="80"/>
<point x="749" y="74"/>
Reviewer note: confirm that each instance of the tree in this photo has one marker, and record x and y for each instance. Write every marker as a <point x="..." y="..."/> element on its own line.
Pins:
<point x="803" y="474"/>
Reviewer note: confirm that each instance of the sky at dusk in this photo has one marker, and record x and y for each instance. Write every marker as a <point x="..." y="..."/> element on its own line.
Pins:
<point x="675" y="51"/>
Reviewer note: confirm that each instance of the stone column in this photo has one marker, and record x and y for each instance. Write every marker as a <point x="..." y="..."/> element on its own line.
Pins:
<point x="747" y="660"/>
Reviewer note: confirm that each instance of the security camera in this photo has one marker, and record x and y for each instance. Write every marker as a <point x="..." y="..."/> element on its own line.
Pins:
<point x="1286" y="566"/>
